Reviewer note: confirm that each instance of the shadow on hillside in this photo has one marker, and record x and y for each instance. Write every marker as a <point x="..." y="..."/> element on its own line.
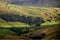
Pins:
<point x="17" y="18"/>
<point x="52" y="32"/>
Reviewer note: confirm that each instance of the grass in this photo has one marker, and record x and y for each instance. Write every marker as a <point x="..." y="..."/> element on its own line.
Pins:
<point x="5" y="31"/>
<point x="12" y="24"/>
<point x="18" y="24"/>
<point x="50" y="23"/>
<point x="47" y="24"/>
<point x="4" y="23"/>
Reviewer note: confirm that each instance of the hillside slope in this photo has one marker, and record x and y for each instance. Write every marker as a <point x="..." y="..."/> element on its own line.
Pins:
<point x="28" y="22"/>
<point x="48" y="33"/>
<point x="49" y="15"/>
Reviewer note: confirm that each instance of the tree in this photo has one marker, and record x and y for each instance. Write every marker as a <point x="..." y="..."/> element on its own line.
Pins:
<point x="49" y="20"/>
<point x="29" y="20"/>
<point x="38" y="21"/>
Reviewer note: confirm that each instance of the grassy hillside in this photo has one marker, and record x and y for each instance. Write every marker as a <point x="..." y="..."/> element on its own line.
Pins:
<point x="47" y="14"/>
<point x="12" y="24"/>
<point x="19" y="20"/>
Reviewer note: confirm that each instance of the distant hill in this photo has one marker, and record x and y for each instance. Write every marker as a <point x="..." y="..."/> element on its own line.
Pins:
<point x="44" y="3"/>
<point x="20" y="22"/>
